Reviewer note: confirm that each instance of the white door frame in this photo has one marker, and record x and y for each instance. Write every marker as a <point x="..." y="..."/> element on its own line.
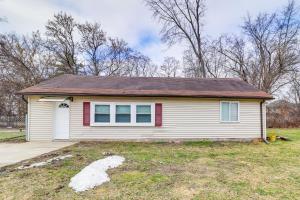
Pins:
<point x="61" y="121"/>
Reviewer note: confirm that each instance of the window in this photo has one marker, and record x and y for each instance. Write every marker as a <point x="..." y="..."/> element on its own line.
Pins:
<point x="229" y="111"/>
<point x="143" y="114"/>
<point x="63" y="105"/>
<point x="123" y="114"/>
<point x="102" y="113"/>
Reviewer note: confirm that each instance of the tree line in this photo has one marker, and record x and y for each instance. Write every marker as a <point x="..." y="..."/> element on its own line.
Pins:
<point x="265" y="54"/>
<point x="65" y="47"/>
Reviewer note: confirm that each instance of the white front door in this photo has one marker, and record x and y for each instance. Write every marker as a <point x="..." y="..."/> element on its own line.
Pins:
<point x="62" y="118"/>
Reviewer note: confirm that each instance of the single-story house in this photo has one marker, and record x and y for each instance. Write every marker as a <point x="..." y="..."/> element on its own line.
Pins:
<point x="72" y="107"/>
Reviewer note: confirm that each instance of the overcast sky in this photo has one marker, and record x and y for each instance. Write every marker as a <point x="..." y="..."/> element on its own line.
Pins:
<point x="129" y="19"/>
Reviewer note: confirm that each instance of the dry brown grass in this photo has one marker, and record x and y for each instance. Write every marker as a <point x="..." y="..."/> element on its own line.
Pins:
<point x="191" y="170"/>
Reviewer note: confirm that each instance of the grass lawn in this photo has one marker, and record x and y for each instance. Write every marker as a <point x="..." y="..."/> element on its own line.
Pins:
<point x="192" y="170"/>
<point x="12" y="135"/>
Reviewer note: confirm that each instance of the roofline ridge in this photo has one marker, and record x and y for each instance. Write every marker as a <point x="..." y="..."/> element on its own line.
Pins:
<point x="155" y="77"/>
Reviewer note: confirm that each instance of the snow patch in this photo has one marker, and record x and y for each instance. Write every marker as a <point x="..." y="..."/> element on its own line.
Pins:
<point x="39" y="164"/>
<point x="95" y="173"/>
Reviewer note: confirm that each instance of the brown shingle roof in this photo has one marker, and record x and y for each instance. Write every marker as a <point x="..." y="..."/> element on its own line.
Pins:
<point x="146" y="86"/>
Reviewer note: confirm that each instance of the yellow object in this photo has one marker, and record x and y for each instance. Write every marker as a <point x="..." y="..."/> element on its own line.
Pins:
<point x="273" y="138"/>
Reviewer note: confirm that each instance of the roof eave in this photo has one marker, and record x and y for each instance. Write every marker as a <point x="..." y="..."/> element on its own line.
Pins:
<point x="147" y="95"/>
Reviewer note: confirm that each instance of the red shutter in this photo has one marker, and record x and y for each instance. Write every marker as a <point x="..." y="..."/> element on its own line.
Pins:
<point x="86" y="113"/>
<point x="158" y="114"/>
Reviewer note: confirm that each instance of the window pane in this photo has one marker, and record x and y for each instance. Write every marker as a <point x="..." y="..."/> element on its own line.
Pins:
<point x="102" y="113"/>
<point x="123" y="109"/>
<point x="143" y="118"/>
<point x="225" y="111"/>
<point x="234" y="112"/>
<point x="143" y="109"/>
<point x="102" y="109"/>
<point x="123" y="118"/>
<point x="104" y="118"/>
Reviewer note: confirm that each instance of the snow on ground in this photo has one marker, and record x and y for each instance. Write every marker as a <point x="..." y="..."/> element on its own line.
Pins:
<point x="95" y="173"/>
<point x="39" y="164"/>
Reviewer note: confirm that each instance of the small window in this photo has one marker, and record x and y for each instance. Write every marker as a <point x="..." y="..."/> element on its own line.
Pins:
<point x="229" y="111"/>
<point x="102" y="113"/>
<point x="143" y="114"/>
<point x="63" y="105"/>
<point x="123" y="114"/>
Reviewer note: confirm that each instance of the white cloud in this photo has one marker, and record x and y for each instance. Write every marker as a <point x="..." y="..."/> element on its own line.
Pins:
<point x="129" y="19"/>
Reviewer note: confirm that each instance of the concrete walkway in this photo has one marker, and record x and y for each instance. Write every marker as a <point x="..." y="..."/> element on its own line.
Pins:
<point x="11" y="153"/>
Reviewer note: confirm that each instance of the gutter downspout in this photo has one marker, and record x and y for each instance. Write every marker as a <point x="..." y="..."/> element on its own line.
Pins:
<point x="26" y="119"/>
<point x="24" y="99"/>
<point x="262" y="123"/>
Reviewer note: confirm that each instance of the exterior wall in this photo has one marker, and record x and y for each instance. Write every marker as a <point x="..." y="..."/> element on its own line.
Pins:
<point x="183" y="118"/>
<point x="40" y="119"/>
<point x="265" y="119"/>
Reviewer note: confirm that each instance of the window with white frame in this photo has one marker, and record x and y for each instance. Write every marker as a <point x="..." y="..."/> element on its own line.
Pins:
<point x="102" y="113"/>
<point x="143" y="114"/>
<point x="122" y="114"/>
<point x="230" y="111"/>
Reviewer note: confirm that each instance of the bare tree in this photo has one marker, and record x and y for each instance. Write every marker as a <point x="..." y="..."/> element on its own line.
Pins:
<point x="23" y="63"/>
<point x="140" y="65"/>
<point x="238" y="59"/>
<point x="183" y="21"/>
<point x="119" y="54"/>
<point x="270" y="52"/>
<point x="24" y="59"/>
<point x="283" y="114"/>
<point x="93" y="46"/>
<point x="170" y="67"/>
<point x="294" y="92"/>
<point x="68" y="47"/>
<point x="215" y="62"/>
<point x="151" y="70"/>
<point x="62" y="43"/>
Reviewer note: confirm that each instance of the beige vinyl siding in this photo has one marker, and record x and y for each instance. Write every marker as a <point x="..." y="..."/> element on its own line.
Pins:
<point x="40" y="118"/>
<point x="182" y="119"/>
<point x="264" y="120"/>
